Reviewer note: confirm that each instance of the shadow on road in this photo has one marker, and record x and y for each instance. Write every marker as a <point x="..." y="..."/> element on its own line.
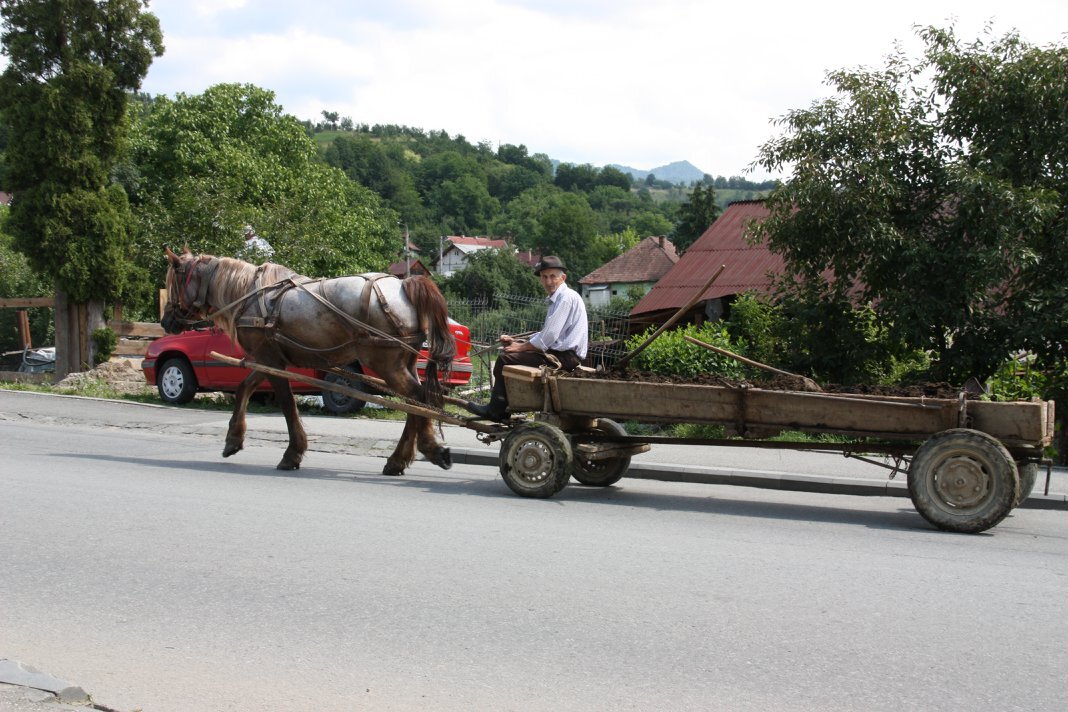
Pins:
<point x="624" y="494"/>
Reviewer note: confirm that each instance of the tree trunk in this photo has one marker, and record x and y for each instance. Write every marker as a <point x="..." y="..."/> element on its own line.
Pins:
<point x="75" y="323"/>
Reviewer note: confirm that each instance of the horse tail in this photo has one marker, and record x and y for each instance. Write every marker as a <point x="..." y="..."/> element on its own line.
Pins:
<point x="433" y="315"/>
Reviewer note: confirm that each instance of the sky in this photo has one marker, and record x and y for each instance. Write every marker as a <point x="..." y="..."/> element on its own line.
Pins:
<point x="640" y="83"/>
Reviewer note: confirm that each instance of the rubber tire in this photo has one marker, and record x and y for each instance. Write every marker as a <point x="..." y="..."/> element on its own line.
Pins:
<point x="341" y="405"/>
<point x="1028" y="477"/>
<point x="975" y="460"/>
<point x="176" y="382"/>
<point x="601" y="473"/>
<point x="535" y="460"/>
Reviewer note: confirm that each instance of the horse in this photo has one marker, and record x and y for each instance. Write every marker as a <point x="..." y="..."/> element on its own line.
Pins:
<point x="281" y="318"/>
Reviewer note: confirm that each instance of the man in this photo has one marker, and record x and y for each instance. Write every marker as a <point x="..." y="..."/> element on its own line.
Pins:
<point x="563" y="336"/>
<point x="255" y="247"/>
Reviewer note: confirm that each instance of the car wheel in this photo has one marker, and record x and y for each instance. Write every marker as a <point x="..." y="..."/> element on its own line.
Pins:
<point x="338" y="403"/>
<point x="176" y="381"/>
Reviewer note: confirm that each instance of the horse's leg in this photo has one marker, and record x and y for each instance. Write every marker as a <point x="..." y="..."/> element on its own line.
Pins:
<point x="430" y="447"/>
<point x="418" y="431"/>
<point x="404" y="453"/>
<point x="235" y="434"/>
<point x="298" y="440"/>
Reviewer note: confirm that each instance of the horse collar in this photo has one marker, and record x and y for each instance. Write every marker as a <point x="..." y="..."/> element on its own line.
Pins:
<point x="205" y="283"/>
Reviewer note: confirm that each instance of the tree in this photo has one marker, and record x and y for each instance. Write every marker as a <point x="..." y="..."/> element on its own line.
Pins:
<point x="695" y="216"/>
<point x="576" y="178"/>
<point x="211" y="163"/>
<point x="567" y="229"/>
<point x="71" y="67"/>
<point x="490" y="272"/>
<point x="941" y="205"/>
<point x="330" y="118"/>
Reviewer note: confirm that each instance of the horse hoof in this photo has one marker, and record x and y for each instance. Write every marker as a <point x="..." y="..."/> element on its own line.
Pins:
<point x="231" y="450"/>
<point x="442" y="458"/>
<point x="283" y="465"/>
<point x="392" y="471"/>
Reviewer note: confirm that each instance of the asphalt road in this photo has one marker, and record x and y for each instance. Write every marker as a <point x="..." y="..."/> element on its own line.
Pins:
<point x="138" y="563"/>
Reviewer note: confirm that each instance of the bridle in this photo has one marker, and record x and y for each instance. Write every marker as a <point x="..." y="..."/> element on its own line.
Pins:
<point x="184" y="311"/>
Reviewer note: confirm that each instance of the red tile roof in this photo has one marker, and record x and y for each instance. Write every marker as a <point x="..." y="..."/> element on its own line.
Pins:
<point x="528" y="257"/>
<point x="647" y="261"/>
<point x="747" y="266"/>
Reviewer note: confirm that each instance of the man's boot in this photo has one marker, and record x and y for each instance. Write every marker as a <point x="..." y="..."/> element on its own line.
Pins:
<point x="496" y="410"/>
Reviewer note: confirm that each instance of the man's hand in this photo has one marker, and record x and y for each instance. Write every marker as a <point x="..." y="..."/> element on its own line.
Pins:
<point x="506" y="339"/>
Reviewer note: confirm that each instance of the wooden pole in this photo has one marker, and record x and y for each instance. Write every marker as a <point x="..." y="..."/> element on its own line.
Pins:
<point x="670" y="322"/>
<point x="23" y="319"/>
<point x="808" y="383"/>
<point x="406" y="407"/>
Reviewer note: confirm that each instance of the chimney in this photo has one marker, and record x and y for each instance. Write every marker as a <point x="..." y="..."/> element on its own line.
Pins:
<point x="661" y="241"/>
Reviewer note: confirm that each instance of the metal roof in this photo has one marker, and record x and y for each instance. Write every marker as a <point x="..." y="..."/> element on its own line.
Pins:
<point x="747" y="266"/>
<point x="647" y="261"/>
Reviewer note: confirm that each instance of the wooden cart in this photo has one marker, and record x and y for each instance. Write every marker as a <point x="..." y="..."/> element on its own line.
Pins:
<point x="969" y="462"/>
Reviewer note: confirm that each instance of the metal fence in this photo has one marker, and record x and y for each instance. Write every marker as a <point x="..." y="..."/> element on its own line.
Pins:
<point x="518" y="314"/>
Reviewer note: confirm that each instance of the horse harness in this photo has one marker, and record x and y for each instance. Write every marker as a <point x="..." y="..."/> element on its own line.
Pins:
<point x="269" y="305"/>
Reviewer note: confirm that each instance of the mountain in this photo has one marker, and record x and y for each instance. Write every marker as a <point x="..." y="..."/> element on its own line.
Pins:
<point x="682" y="172"/>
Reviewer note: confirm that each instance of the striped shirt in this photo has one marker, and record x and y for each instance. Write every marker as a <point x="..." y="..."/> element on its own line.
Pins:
<point x="565" y="326"/>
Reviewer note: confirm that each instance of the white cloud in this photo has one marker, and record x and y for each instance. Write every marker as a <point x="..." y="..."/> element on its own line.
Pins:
<point x="593" y="81"/>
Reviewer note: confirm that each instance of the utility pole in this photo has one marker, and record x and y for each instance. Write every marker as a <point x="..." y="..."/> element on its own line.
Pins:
<point x="406" y="255"/>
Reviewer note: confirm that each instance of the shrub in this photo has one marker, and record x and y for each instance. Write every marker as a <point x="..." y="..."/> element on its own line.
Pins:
<point x="671" y="355"/>
<point x="105" y="341"/>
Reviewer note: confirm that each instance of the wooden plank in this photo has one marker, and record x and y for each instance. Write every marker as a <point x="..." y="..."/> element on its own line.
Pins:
<point x="754" y="411"/>
<point x="131" y="347"/>
<point x="137" y="328"/>
<point x="606" y="451"/>
<point x="26" y="302"/>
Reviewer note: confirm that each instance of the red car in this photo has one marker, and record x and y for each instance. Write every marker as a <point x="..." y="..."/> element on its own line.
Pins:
<point x="179" y="365"/>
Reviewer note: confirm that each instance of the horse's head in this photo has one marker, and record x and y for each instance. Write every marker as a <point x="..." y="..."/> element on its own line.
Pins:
<point x="188" y="279"/>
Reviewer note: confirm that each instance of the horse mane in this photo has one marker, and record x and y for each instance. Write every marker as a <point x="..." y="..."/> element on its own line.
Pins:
<point x="234" y="279"/>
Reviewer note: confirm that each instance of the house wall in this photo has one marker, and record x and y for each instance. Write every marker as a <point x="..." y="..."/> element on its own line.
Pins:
<point x="452" y="261"/>
<point x="598" y="295"/>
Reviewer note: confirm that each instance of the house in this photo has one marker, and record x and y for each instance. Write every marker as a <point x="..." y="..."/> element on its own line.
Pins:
<point x="641" y="266"/>
<point x="5" y="198"/>
<point x="413" y="266"/>
<point x="528" y="257"/>
<point x="747" y="268"/>
<point x="454" y="251"/>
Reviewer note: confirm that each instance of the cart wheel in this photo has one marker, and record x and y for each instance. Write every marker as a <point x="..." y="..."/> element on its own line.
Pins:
<point x="1028" y="476"/>
<point x="963" y="480"/>
<point x="535" y="460"/>
<point x="601" y="473"/>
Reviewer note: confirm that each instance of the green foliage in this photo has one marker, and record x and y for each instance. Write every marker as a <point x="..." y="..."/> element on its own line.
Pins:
<point x="566" y="228"/>
<point x="695" y="216"/>
<point x="671" y="355"/>
<point x="17" y="279"/>
<point x="211" y="163"/>
<point x="64" y="96"/>
<point x="1019" y="378"/>
<point x="105" y="341"/>
<point x="941" y="205"/>
<point x="490" y="272"/>
<point x="758" y="323"/>
<point x="834" y="342"/>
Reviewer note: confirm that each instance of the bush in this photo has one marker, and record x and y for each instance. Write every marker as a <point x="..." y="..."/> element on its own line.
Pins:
<point x="105" y="341"/>
<point x="671" y="355"/>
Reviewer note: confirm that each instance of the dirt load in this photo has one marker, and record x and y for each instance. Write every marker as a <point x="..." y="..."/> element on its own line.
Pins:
<point x="776" y="383"/>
